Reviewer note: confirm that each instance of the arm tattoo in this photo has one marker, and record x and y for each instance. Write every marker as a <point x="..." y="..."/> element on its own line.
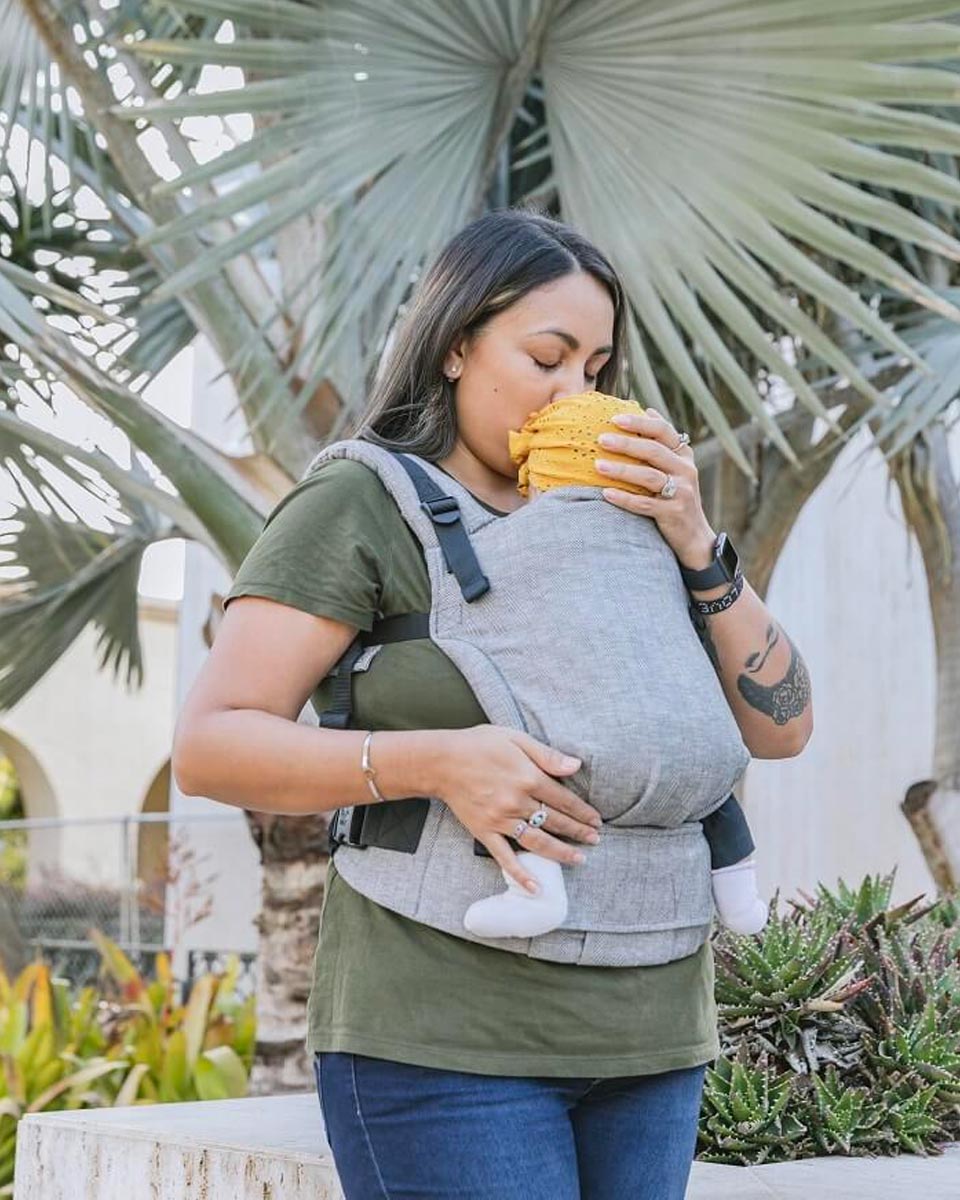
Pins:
<point x="785" y="699"/>
<point x="703" y="633"/>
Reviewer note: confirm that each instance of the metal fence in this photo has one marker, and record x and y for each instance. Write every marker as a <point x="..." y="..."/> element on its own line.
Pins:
<point x="138" y="879"/>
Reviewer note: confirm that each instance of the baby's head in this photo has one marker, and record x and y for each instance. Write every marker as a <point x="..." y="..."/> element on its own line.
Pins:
<point x="557" y="444"/>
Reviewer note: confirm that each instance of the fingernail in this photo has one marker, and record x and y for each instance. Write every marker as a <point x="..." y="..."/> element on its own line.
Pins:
<point x="579" y="858"/>
<point x="531" y="886"/>
<point x="593" y="838"/>
<point x="569" y="761"/>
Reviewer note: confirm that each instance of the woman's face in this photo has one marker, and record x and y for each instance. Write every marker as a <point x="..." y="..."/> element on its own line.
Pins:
<point x="516" y="365"/>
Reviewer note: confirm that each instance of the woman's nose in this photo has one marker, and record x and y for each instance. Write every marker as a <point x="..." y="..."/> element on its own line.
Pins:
<point x="575" y="383"/>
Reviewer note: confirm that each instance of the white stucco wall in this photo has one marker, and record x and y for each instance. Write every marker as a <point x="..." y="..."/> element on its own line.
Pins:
<point x="851" y="591"/>
<point x="226" y="847"/>
<point x="85" y="746"/>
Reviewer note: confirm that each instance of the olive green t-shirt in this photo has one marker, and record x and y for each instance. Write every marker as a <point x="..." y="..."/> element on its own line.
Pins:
<point x="387" y="986"/>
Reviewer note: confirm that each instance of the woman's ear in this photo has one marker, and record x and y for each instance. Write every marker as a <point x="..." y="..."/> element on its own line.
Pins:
<point x="453" y="360"/>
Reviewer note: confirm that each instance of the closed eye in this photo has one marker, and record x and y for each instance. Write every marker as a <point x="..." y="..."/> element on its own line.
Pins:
<point x="553" y="367"/>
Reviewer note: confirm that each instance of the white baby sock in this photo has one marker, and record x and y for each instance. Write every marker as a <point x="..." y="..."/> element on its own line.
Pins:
<point x="517" y="912"/>
<point x="739" y="905"/>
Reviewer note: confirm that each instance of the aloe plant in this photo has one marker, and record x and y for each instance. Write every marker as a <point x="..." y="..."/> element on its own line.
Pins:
<point x="839" y="1030"/>
<point x="789" y="992"/>
<point x="746" y="1115"/>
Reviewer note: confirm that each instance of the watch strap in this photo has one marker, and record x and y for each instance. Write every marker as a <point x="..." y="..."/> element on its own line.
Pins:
<point x="705" y="577"/>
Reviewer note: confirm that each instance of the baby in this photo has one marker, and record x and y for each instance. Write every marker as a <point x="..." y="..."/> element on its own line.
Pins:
<point x="557" y="446"/>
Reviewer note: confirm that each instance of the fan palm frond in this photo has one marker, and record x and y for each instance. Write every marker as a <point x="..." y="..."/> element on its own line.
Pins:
<point x="714" y="149"/>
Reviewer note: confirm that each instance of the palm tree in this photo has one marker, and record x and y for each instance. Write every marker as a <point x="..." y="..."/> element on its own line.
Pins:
<point x="776" y="182"/>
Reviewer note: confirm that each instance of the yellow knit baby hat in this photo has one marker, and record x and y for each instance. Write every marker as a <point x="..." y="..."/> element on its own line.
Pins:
<point x="557" y="445"/>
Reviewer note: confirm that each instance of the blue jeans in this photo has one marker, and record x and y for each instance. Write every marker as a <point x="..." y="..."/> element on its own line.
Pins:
<point x="402" y="1132"/>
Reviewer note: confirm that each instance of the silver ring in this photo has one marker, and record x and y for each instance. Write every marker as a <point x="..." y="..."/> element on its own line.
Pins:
<point x="519" y="830"/>
<point x="684" y="441"/>
<point x="539" y="816"/>
<point x="669" y="488"/>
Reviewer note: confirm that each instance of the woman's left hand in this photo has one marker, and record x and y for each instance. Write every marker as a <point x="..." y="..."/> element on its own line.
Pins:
<point x="653" y="442"/>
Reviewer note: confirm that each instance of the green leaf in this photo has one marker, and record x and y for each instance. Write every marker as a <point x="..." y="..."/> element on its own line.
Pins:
<point x="175" y="1072"/>
<point x="197" y="1015"/>
<point x="220" y="1075"/>
<point x="77" y="575"/>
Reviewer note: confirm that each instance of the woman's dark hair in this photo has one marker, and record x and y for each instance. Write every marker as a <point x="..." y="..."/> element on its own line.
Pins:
<point x="489" y="265"/>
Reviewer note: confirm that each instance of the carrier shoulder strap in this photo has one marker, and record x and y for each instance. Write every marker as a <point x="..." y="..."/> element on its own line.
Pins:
<point x="458" y="553"/>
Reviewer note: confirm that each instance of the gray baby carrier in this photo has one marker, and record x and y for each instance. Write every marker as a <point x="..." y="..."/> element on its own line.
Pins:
<point x="569" y="620"/>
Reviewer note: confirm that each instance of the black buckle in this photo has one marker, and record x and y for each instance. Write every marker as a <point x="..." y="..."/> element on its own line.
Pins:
<point x="444" y="509"/>
<point x="346" y="828"/>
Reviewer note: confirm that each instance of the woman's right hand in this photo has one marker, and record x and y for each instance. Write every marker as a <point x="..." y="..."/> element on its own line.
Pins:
<point x="491" y="776"/>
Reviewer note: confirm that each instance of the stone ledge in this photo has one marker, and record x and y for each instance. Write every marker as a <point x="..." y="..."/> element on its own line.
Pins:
<point x="898" y="1177"/>
<point x="274" y="1148"/>
<point x="264" y="1148"/>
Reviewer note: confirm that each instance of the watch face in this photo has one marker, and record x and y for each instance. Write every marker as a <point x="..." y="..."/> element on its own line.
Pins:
<point x="727" y="555"/>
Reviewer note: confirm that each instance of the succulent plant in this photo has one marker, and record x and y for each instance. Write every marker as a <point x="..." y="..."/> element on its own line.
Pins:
<point x="921" y="1047"/>
<point x="844" y="1119"/>
<point x="871" y="898"/>
<point x="839" y="1030"/>
<point x="746" y="1114"/>
<point x="912" y="1119"/>
<point x="787" y="990"/>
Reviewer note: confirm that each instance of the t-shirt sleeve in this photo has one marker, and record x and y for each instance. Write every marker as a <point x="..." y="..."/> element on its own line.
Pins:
<point x="324" y="547"/>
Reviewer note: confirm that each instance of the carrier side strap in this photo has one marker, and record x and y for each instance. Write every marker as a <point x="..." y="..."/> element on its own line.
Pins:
<point x="337" y="716"/>
<point x="444" y="511"/>
<point x="402" y="628"/>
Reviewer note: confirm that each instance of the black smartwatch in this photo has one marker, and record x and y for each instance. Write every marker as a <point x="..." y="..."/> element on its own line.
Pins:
<point x="724" y="568"/>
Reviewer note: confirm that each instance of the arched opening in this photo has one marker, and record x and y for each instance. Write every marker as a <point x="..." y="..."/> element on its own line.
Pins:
<point x="153" y="858"/>
<point x="13" y="842"/>
<point x="36" y="799"/>
<point x="25" y="855"/>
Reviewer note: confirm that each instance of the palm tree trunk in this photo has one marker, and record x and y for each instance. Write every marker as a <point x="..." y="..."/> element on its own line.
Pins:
<point x="930" y="495"/>
<point x="294" y="853"/>
<point x="759" y="518"/>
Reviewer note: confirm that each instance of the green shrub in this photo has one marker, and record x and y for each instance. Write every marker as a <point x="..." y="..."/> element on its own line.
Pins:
<point x="130" y="1042"/>
<point x="839" y="1030"/>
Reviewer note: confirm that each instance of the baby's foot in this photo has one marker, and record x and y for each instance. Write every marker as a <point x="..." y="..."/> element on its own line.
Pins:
<point x="735" y="894"/>
<point x="517" y="912"/>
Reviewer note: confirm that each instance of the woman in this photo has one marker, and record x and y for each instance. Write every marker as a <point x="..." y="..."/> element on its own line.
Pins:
<point x="444" y="1067"/>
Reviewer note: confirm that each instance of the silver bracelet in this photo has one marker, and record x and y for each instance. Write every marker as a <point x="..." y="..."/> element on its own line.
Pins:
<point x="368" y="771"/>
<point x="706" y="607"/>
